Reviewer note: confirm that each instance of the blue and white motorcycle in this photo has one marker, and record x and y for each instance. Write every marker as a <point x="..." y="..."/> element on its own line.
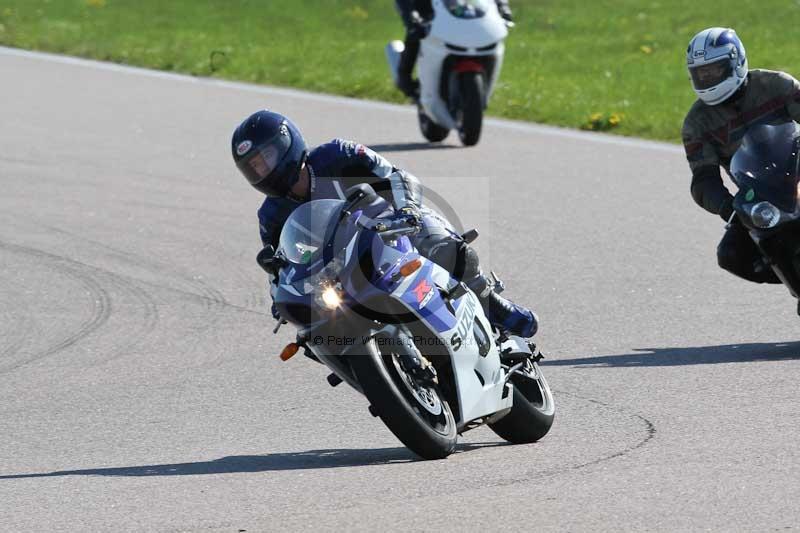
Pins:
<point x="399" y="329"/>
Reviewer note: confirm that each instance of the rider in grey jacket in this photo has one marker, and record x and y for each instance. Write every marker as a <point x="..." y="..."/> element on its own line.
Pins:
<point x="731" y="99"/>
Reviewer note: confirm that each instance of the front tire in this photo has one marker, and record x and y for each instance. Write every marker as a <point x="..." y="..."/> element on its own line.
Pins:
<point x="533" y="410"/>
<point x="414" y="411"/>
<point x="430" y="130"/>
<point x="470" y="112"/>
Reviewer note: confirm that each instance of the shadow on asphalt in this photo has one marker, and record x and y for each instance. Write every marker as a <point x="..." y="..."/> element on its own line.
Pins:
<point x="703" y="355"/>
<point x="313" y="459"/>
<point x="410" y="147"/>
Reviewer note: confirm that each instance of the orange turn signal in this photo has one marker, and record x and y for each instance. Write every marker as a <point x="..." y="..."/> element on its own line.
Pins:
<point x="289" y="351"/>
<point x="410" y="267"/>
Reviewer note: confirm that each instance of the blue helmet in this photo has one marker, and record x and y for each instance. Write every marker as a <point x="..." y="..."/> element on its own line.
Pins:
<point x="269" y="151"/>
<point x="717" y="64"/>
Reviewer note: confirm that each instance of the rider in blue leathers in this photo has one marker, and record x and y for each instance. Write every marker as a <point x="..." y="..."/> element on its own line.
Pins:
<point x="271" y="153"/>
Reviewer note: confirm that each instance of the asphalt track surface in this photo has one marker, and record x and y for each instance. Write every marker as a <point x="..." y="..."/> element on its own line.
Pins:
<point x="140" y="387"/>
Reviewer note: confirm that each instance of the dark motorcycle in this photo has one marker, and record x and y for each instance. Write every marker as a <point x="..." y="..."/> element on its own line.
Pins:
<point x="766" y="167"/>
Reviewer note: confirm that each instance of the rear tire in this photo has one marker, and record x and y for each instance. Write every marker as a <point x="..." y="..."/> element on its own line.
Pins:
<point x="470" y="112"/>
<point x="533" y="411"/>
<point x="430" y="130"/>
<point x="429" y="431"/>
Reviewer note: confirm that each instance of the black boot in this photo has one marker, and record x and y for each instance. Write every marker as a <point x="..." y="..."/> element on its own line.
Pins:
<point x="405" y="81"/>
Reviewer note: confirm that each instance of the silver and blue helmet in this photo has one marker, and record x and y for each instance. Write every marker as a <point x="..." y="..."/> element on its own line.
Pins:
<point x="717" y="64"/>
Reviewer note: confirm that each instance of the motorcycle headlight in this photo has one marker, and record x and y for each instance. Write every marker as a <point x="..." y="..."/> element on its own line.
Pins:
<point x="765" y="215"/>
<point x="331" y="298"/>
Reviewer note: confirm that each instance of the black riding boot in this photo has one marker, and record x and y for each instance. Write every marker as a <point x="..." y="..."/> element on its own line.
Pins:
<point x="405" y="69"/>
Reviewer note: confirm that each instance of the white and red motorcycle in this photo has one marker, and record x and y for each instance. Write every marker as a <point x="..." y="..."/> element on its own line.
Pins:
<point x="458" y="66"/>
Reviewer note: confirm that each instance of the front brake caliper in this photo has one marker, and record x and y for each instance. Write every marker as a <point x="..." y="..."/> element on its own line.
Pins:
<point x="419" y="367"/>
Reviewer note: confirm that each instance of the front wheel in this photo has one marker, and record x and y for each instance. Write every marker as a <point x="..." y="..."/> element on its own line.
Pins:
<point x="533" y="409"/>
<point x="470" y="109"/>
<point x="414" y="410"/>
<point x="430" y="130"/>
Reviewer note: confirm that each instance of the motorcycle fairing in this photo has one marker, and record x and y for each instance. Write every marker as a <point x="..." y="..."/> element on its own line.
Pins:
<point x="479" y="378"/>
<point x="468" y="33"/>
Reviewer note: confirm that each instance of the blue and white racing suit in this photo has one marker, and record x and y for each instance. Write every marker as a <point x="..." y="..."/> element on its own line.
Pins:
<point x="338" y="165"/>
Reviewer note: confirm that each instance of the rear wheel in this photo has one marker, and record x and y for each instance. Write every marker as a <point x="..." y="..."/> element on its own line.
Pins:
<point x="533" y="411"/>
<point x="470" y="109"/>
<point x="412" y="408"/>
<point x="430" y="130"/>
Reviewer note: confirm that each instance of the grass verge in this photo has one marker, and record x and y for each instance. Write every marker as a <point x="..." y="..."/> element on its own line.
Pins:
<point x="607" y="65"/>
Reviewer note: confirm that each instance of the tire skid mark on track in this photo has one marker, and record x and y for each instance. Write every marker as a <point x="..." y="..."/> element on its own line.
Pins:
<point x="649" y="434"/>
<point x="212" y="299"/>
<point x="649" y="427"/>
<point x="536" y="476"/>
<point x="101" y="284"/>
<point x="17" y="334"/>
<point x="101" y="311"/>
<point x="209" y="297"/>
<point x="148" y="321"/>
<point x="18" y="322"/>
<point x="101" y="303"/>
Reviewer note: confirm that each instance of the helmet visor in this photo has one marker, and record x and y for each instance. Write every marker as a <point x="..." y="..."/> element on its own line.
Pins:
<point x="259" y="164"/>
<point x="711" y="74"/>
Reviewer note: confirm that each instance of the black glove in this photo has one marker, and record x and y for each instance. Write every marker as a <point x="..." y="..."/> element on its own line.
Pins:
<point x="726" y="210"/>
<point x="417" y="28"/>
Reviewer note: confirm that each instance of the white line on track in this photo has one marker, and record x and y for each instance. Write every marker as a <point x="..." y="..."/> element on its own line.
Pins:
<point x="552" y="131"/>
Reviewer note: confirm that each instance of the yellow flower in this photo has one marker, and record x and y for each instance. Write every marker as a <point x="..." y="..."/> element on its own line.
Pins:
<point x="357" y="12"/>
<point x="646" y="49"/>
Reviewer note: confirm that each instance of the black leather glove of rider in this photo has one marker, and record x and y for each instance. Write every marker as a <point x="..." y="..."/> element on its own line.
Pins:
<point x="417" y="28"/>
<point x="726" y="211"/>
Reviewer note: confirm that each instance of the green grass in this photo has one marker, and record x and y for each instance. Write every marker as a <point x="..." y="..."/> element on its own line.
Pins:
<point x="567" y="60"/>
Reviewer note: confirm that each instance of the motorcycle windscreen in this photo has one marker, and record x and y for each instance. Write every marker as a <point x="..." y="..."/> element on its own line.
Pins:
<point x="768" y="162"/>
<point x="467" y="9"/>
<point x="308" y="232"/>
